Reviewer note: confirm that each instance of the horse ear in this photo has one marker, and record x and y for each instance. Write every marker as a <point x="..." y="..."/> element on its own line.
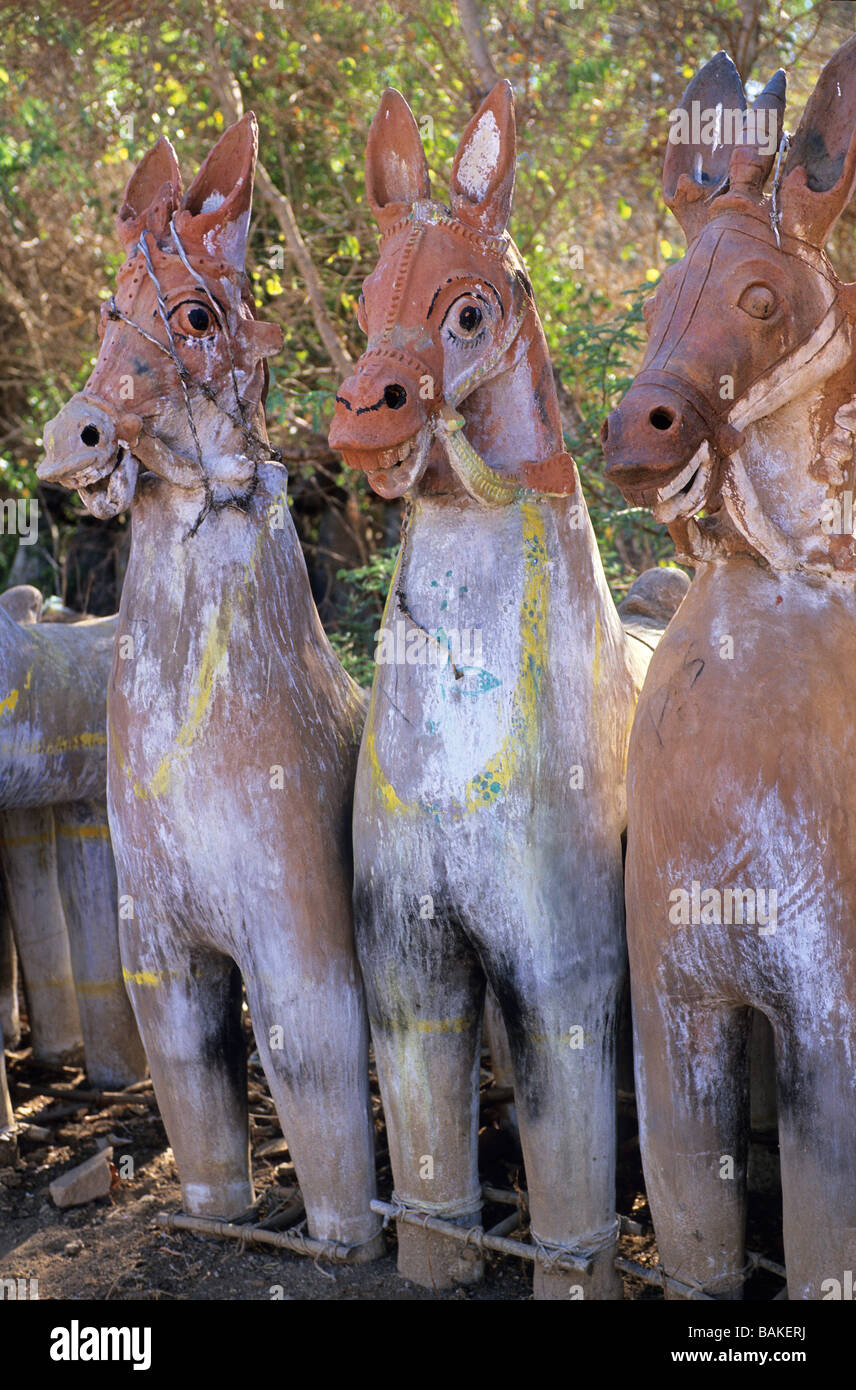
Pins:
<point x="396" y="168"/>
<point x="693" y="167"/>
<point x="215" y="210"/>
<point x="151" y="196"/>
<point x="821" y="166"/>
<point x="483" y="171"/>
<point x="752" y="160"/>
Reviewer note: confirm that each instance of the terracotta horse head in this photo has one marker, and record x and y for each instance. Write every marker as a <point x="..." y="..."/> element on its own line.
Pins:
<point x="450" y="317"/>
<point x="182" y="311"/>
<point x="738" y="429"/>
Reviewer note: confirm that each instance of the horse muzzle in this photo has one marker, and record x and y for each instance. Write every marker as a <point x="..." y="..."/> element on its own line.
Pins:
<point x="88" y="448"/>
<point x="656" y="441"/>
<point x="383" y="422"/>
<point x="85" y="442"/>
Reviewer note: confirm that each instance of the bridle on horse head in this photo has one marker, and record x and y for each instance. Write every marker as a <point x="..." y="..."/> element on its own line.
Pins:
<point x="724" y="437"/>
<point x="554" y="476"/>
<point x="760" y="396"/>
<point x="258" y="449"/>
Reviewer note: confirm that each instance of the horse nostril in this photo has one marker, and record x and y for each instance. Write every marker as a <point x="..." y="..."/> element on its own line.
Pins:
<point x="604" y="432"/>
<point x="662" y="418"/>
<point x="394" y="396"/>
<point x="90" y="436"/>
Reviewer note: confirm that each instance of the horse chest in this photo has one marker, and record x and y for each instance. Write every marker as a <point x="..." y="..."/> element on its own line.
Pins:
<point x="740" y="783"/>
<point x="460" y="713"/>
<point x="209" y="713"/>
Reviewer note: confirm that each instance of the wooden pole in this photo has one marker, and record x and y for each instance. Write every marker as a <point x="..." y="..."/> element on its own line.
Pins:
<point x="297" y="1243"/>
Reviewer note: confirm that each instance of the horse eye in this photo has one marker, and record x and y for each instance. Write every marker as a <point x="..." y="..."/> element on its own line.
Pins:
<point x="469" y="318"/>
<point x="759" y="301"/>
<point x="193" y="319"/>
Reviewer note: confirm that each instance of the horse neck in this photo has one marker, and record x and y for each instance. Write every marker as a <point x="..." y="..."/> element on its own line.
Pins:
<point x="791" y="466"/>
<point x="514" y="417"/>
<point x="249" y="559"/>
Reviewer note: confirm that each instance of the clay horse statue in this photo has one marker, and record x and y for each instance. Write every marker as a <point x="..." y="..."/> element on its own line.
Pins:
<point x="741" y="873"/>
<point x="233" y="728"/>
<point x="490" y="801"/>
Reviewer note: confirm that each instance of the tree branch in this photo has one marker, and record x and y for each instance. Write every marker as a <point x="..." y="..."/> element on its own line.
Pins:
<point x="282" y="210"/>
<point x="229" y="96"/>
<point x="473" y="32"/>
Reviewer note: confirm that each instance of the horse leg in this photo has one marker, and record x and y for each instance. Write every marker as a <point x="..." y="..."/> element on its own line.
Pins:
<point x="500" y="1061"/>
<point x="562" y="1037"/>
<point x="29" y="869"/>
<point x="87" y="883"/>
<point x="10" y="1028"/>
<point x="762" y="1075"/>
<point x="187" y="1002"/>
<point x="8" y="1131"/>
<point x="10" y="1017"/>
<point x="425" y="991"/>
<point x="311" y="1031"/>
<point x="764" y="1175"/>
<point x="692" y="1086"/>
<point x="817" y="1136"/>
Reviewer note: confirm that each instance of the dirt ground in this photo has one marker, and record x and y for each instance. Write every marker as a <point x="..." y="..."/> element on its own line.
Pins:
<point x="113" y="1248"/>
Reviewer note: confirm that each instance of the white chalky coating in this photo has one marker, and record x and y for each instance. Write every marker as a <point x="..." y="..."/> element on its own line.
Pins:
<point x="480" y="158"/>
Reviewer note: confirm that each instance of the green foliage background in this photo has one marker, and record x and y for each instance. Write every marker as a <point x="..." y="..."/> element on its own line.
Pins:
<point x="86" y="87"/>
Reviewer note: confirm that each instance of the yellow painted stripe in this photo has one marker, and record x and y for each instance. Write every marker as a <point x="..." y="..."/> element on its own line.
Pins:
<point x="26" y="841"/>
<point x="497" y="776"/>
<point x="8" y="703"/>
<point x="68" y="832"/>
<point x="598" y="640"/>
<point x="96" y="989"/>
<point x="84" y="832"/>
<point x="426" y="1025"/>
<point x="443" y="1025"/>
<point x="68" y="744"/>
<point x="148" y="977"/>
<point x="214" y="654"/>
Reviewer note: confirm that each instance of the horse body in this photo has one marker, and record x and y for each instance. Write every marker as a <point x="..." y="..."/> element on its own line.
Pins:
<point x="58" y="875"/>
<point x="767" y="816"/>
<point x="467" y="801"/>
<point x="741" y="883"/>
<point x="53" y="749"/>
<point x="220" y="729"/>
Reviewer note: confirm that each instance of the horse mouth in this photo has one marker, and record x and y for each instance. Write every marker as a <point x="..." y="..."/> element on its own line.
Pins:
<point x="97" y="476"/>
<point x="686" y="494"/>
<point x="397" y="469"/>
<point x="108" y="489"/>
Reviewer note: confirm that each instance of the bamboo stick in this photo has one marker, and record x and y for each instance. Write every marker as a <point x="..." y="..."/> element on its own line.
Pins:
<point x="507" y="1225"/>
<point x="480" y="1239"/>
<point x="494" y="1239"/>
<point x="256" y="1235"/>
